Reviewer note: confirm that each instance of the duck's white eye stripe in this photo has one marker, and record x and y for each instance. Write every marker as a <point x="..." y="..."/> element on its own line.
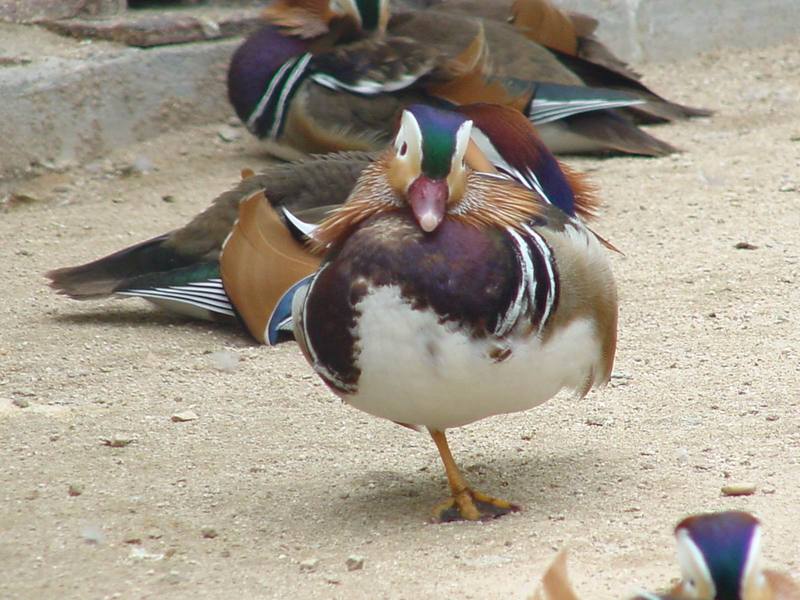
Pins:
<point x="409" y="134"/>
<point x="752" y="567"/>
<point x="462" y="139"/>
<point x="692" y="563"/>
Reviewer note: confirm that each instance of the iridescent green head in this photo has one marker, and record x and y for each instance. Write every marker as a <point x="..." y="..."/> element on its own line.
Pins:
<point x="428" y="162"/>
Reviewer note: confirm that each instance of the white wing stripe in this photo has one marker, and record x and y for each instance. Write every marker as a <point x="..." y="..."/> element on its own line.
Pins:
<point x="291" y="81"/>
<point x="547" y="255"/>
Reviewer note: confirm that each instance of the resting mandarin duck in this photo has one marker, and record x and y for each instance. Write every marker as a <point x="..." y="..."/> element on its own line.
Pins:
<point x="567" y="32"/>
<point x="569" y="37"/>
<point x="323" y="77"/>
<point x="448" y="295"/>
<point x="261" y="253"/>
<point x="720" y="559"/>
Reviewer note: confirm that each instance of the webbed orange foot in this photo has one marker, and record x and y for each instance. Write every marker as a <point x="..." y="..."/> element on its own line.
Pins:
<point x="465" y="504"/>
<point x="471" y="505"/>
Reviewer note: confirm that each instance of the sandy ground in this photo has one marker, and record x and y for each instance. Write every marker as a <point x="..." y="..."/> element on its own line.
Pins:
<point x="276" y="471"/>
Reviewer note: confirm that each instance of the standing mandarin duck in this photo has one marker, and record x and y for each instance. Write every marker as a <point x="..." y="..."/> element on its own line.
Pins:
<point x="240" y="259"/>
<point x="327" y="75"/>
<point x="720" y="559"/>
<point x="448" y="295"/>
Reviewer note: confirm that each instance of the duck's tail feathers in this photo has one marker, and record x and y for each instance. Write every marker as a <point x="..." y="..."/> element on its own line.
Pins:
<point x="657" y="108"/>
<point x="552" y="102"/>
<point x="601" y="132"/>
<point x="101" y="277"/>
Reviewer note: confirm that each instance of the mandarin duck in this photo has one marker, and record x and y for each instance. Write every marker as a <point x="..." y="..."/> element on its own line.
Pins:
<point x="210" y="267"/>
<point x="569" y="36"/>
<point x="555" y="583"/>
<point x="565" y="31"/>
<point x="448" y="294"/>
<point x="720" y="559"/>
<point x="240" y="259"/>
<point x="330" y="75"/>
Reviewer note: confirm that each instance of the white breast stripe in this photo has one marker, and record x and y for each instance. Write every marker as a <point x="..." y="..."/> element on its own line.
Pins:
<point x="515" y="309"/>
<point x="321" y="369"/>
<point x="262" y="104"/>
<point x="547" y="255"/>
<point x="286" y="90"/>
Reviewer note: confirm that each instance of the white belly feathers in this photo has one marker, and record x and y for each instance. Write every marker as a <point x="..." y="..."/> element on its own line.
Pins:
<point x="417" y="371"/>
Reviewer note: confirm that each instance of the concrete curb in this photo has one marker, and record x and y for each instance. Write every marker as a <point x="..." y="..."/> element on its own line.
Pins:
<point x="61" y="110"/>
<point x="654" y="30"/>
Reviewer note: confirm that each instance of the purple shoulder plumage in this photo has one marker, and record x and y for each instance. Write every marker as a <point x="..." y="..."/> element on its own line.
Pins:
<point x="254" y="66"/>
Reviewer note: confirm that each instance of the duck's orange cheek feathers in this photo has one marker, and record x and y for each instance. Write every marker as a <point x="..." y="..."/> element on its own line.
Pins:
<point x="428" y="199"/>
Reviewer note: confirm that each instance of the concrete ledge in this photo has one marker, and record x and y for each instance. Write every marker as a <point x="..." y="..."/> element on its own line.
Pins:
<point x="61" y="110"/>
<point x="652" y="30"/>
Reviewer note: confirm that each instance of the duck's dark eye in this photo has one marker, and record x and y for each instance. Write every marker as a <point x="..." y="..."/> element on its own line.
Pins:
<point x="403" y="149"/>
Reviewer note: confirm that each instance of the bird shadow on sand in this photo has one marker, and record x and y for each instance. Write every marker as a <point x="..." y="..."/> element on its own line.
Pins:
<point x="543" y="486"/>
<point x="147" y="320"/>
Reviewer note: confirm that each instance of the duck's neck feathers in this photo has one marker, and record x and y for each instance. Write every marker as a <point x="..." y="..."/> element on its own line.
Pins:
<point x="489" y="201"/>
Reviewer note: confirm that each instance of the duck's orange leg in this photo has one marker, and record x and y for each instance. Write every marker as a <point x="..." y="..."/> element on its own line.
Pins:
<point x="465" y="504"/>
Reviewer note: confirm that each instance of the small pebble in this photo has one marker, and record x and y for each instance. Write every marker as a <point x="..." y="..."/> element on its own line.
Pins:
<point x="332" y="579"/>
<point x="172" y="578"/>
<point x="183" y="416"/>
<point x="355" y="562"/>
<point x="116" y="442"/>
<point x="142" y="164"/>
<point x="93" y="534"/>
<point x="209" y="26"/>
<point x="224" y="360"/>
<point x="21" y="402"/>
<point x="488" y="560"/>
<point x="309" y="565"/>
<point x="745" y="246"/>
<point x="75" y="489"/>
<point x="599" y="421"/>
<point x="209" y="533"/>
<point x="768" y="490"/>
<point x="168" y="198"/>
<point x="738" y="489"/>
<point x="228" y="134"/>
<point x="139" y="553"/>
